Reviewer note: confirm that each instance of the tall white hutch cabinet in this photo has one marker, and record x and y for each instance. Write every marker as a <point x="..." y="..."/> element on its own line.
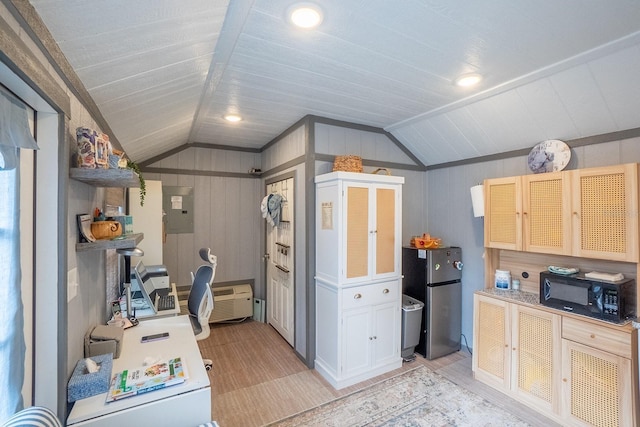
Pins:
<point x="358" y="276"/>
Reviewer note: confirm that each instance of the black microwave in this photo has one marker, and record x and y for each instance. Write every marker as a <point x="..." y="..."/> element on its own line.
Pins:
<point x="611" y="301"/>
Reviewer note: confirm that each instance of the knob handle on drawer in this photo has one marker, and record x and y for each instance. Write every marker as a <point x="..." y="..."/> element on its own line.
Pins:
<point x="357" y="296"/>
<point x="385" y="291"/>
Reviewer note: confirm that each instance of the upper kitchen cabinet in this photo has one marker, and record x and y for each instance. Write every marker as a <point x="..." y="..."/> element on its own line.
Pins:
<point x="503" y="213"/>
<point x="546" y="213"/>
<point x="605" y="212"/>
<point x="358" y="227"/>
<point x="589" y="213"/>
<point x="530" y="213"/>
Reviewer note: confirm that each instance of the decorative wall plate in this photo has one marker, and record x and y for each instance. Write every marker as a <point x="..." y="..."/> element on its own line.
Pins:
<point x="552" y="155"/>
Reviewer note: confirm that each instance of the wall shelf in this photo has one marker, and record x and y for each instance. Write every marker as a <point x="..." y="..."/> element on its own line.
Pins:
<point x="128" y="241"/>
<point x="106" y="177"/>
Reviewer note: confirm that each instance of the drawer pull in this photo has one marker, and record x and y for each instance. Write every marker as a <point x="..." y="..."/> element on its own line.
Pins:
<point x="593" y="335"/>
<point x="357" y="296"/>
<point x="386" y="291"/>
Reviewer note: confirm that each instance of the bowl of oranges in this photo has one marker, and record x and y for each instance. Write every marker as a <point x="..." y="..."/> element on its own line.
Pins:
<point x="426" y="241"/>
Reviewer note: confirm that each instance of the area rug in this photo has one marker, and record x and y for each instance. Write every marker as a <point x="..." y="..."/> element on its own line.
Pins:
<point x="419" y="397"/>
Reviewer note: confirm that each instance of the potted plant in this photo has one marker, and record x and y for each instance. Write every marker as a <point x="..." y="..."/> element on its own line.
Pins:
<point x="143" y="189"/>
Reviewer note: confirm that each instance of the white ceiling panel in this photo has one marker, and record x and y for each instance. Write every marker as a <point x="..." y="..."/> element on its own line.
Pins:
<point x="614" y="76"/>
<point x="582" y="98"/>
<point x="546" y="110"/>
<point x="164" y="72"/>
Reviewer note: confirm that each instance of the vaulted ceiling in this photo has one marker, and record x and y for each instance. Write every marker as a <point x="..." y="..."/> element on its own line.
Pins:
<point x="164" y="72"/>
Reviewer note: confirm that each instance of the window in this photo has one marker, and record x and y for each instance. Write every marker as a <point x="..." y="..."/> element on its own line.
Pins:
<point x="14" y="245"/>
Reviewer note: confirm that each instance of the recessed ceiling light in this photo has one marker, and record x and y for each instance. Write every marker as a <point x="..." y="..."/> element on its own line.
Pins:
<point x="467" y="80"/>
<point x="232" y="118"/>
<point x="305" y="15"/>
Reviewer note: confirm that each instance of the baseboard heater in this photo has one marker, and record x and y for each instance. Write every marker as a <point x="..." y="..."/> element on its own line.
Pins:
<point x="231" y="302"/>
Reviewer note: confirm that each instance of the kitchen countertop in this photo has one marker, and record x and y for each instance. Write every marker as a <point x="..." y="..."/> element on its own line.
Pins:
<point x="518" y="296"/>
<point x="530" y="298"/>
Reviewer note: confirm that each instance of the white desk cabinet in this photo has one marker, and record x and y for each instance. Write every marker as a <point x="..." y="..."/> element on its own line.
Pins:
<point x="186" y="404"/>
<point x="358" y="276"/>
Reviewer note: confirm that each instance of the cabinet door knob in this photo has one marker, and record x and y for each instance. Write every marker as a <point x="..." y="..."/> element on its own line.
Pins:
<point x="564" y="380"/>
<point x="593" y="335"/>
<point x="385" y="291"/>
<point x="357" y="296"/>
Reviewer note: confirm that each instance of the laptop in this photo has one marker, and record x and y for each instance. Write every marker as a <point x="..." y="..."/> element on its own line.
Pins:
<point x="154" y="300"/>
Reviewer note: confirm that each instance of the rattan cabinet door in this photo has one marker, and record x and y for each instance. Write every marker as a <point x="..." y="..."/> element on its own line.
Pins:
<point x="503" y="218"/>
<point x="546" y="213"/>
<point x="536" y="357"/>
<point x="491" y="341"/>
<point x="597" y="388"/>
<point x="605" y="212"/>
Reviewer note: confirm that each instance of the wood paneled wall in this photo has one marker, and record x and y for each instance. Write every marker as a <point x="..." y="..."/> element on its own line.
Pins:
<point x="226" y="215"/>
<point x="449" y="213"/>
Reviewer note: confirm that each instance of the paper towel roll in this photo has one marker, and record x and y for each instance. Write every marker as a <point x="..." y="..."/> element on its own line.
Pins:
<point x="477" y="200"/>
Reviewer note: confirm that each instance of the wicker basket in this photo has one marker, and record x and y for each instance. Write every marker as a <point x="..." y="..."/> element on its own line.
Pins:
<point x="347" y="164"/>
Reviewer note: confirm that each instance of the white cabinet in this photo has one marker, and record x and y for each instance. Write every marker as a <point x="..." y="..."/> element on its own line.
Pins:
<point x="358" y="276"/>
<point x="357" y="331"/>
<point x="358" y="227"/>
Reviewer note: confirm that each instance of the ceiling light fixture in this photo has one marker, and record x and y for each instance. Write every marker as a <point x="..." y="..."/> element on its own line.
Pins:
<point x="467" y="80"/>
<point x="232" y="118"/>
<point x="305" y="15"/>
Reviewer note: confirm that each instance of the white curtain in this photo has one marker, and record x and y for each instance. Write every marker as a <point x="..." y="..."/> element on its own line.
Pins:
<point x="14" y="136"/>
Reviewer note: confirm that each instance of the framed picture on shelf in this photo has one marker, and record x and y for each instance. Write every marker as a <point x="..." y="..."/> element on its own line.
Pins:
<point x="84" y="228"/>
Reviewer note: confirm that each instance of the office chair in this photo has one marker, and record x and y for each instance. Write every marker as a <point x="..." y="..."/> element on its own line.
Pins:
<point x="200" y="302"/>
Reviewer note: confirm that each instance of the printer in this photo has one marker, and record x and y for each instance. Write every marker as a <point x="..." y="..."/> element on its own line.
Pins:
<point x="158" y="276"/>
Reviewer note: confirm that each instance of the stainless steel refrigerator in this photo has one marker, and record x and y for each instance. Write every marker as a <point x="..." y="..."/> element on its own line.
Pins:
<point x="433" y="276"/>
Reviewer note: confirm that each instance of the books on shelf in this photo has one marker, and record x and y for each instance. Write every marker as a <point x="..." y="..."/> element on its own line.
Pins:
<point x="132" y="382"/>
<point x="84" y="227"/>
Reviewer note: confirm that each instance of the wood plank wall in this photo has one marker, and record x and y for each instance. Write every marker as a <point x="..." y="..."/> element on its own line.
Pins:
<point x="449" y="212"/>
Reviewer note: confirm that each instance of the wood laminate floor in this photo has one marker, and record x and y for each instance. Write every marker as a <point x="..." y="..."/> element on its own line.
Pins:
<point x="257" y="378"/>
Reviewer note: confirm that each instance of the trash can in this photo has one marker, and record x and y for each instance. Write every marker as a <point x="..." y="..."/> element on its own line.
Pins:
<point x="411" y="322"/>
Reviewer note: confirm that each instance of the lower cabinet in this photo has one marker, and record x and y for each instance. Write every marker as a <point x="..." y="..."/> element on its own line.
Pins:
<point x="576" y="372"/>
<point x="517" y="350"/>
<point x="597" y="376"/>
<point x="357" y="331"/>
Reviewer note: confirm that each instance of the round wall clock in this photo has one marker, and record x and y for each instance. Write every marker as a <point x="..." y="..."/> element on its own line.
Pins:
<point x="552" y="155"/>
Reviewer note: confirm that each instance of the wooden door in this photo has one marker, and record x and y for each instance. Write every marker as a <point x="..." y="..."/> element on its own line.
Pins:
<point x="597" y="389"/>
<point x="536" y="357"/>
<point x="358" y="230"/>
<point x="491" y="341"/>
<point x="280" y="264"/>
<point x="503" y="218"/>
<point x="605" y="212"/>
<point x="386" y="239"/>
<point x="546" y="213"/>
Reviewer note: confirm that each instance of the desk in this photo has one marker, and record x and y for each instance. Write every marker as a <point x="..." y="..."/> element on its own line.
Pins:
<point x="182" y="405"/>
